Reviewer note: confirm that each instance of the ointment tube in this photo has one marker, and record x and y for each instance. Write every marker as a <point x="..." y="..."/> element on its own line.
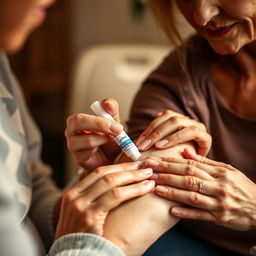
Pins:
<point x="123" y="140"/>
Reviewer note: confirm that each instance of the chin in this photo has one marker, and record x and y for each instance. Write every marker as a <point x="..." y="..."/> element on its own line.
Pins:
<point x="13" y="47"/>
<point x="14" y="42"/>
<point x="226" y="49"/>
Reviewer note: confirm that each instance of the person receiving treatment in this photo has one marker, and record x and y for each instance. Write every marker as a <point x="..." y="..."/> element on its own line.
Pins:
<point x="210" y="78"/>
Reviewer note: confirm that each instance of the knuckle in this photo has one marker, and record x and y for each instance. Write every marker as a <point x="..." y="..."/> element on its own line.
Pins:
<point x="223" y="190"/>
<point x="100" y="172"/>
<point x="176" y="136"/>
<point x="190" y="169"/>
<point x="156" y="134"/>
<point x="109" y="180"/>
<point x="172" y="193"/>
<point x="223" y="172"/>
<point x="77" y="206"/>
<point x="175" y="119"/>
<point x="75" y="119"/>
<point x="68" y="196"/>
<point x="167" y="112"/>
<point x="203" y="160"/>
<point x="194" y="128"/>
<point x="116" y="194"/>
<point x="228" y="166"/>
<point x="190" y="182"/>
<point x="195" y="198"/>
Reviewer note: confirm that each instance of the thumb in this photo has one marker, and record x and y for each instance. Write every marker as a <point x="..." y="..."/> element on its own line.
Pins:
<point x="111" y="106"/>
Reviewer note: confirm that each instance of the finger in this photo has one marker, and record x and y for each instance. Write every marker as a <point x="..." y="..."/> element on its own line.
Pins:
<point x="179" y="167"/>
<point x="84" y="142"/>
<point x="167" y="127"/>
<point x="191" y="133"/>
<point x="114" y="197"/>
<point x="114" y="180"/>
<point x="187" y="197"/>
<point x="111" y="106"/>
<point x="102" y="171"/>
<point x="76" y="124"/>
<point x="158" y="128"/>
<point x="194" y="214"/>
<point x="189" y="163"/>
<point x="189" y="183"/>
<point x="191" y="155"/>
<point x="160" y="118"/>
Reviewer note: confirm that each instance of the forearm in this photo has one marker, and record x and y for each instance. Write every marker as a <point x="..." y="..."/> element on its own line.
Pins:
<point x="136" y="224"/>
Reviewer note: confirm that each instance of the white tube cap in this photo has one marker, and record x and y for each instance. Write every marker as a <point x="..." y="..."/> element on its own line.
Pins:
<point x="99" y="111"/>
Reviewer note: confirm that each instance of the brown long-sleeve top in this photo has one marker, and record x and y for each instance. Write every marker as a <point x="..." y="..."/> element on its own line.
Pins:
<point x="191" y="91"/>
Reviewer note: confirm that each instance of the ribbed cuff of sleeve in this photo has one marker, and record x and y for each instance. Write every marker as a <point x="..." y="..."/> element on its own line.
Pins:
<point x="84" y="244"/>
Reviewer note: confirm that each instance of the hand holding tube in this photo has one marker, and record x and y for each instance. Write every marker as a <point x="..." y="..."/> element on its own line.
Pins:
<point x="89" y="137"/>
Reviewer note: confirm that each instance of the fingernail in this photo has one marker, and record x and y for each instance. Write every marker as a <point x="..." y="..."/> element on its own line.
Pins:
<point x="145" y="144"/>
<point x="140" y="140"/>
<point x="176" y="211"/>
<point x="162" y="143"/>
<point x="152" y="163"/>
<point x="161" y="190"/>
<point x="154" y="176"/>
<point x="116" y="127"/>
<point x="149" y="183"/>
<point x="146" y="172"/>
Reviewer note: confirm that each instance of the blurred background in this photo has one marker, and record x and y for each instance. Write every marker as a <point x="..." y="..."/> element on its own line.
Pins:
<point x="45" y="66"/>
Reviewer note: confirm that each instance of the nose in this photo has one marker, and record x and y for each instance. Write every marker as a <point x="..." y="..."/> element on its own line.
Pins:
<point x="204" y="11"/>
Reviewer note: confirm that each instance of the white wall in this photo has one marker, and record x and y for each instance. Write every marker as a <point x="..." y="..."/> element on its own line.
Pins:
<point x="107" y="21"/>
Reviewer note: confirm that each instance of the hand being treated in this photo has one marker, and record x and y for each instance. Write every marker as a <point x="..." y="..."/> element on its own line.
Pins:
<point x="89" y="137"/>
<point x="85" y="206"/>
<point x="170" y="128"/>
<point x="217" y="192"/>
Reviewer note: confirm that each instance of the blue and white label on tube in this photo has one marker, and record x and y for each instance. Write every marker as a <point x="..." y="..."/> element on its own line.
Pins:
<point x="123" y="140"/>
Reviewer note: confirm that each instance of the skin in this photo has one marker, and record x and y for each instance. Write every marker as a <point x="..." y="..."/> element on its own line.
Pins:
<point x="126" y="224"/>
<point x="209" y="14"/>
<point x="227" y="196"/>
<point x="18" y="20"/>
<point x="84" y="207"/>
<point x="216" y="190"/>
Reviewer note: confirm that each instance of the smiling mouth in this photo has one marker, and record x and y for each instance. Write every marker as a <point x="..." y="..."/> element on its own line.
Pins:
<point x="219" y="31"/>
